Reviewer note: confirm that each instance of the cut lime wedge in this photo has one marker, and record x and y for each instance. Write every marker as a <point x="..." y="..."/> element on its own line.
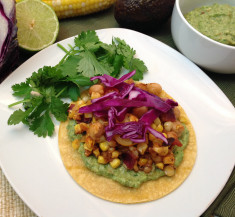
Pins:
<point x="37" y="24"/>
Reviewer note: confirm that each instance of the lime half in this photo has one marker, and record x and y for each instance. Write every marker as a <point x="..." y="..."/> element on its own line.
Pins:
<point x="37" y="24"/>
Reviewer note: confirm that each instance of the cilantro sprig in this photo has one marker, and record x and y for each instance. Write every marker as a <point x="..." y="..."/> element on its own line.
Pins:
<point x="44" y="91"/>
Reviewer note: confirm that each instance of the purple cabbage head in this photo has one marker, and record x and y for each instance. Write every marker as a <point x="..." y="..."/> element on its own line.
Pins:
<point x="8" y="36"/>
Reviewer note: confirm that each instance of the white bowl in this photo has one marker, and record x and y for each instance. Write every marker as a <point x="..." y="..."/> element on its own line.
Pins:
<point x="203" y="51"/>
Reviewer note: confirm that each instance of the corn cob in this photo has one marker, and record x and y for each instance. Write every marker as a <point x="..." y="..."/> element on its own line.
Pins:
<point x="72" y="8"/>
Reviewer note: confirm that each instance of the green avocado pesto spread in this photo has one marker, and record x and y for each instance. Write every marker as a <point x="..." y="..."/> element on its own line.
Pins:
<point x="215" y="21"/>
<point x="122" y="175"/>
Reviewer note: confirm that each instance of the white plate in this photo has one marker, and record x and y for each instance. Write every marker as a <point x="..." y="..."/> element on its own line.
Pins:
<point x="35" y="170"/>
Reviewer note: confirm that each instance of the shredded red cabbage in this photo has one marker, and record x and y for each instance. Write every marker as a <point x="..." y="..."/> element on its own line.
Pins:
<point x="115" y="105"/>
<point x="110" y="81"/>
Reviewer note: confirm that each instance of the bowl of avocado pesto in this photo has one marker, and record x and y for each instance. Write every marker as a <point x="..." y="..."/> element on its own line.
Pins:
<point x="204" y="31"/>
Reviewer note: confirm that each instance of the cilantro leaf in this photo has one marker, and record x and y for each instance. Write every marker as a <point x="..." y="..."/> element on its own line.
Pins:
<point x="89" y="66"/>
<point x="80" y="80"/>
<point x="129" y="61"/>
<point x="22" y="89"/>
<point x="117" y="64"/>
<point x="59" y="109"/>
<point x="45" y="77"/>
<point x="139" y="66"/>
<point x="69" y="66"/>
<point x="86" y="39"/>
<point x="17" y="117"/>
<point x="43" y="125"/>
<point x="124" y="49"/>
<point x="73" y="93"/>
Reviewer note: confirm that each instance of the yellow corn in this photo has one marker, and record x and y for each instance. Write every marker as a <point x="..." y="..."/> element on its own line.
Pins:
<point x="165" y="135"/>
<point x="96" y="152"/>
<point x="80" y="128"/>
<point x="142" y="161"/>
<point x="101" y="160"/>
<point x="104" y="146"/>
<point x="88" y="115"/>
<point x="142" y="147"/>
<point x="72" y="8"/>
<point x="157" y="121"/>
<point x="154" y="126"/>
<point x="160" y="165"/>
<point x="183" y="119"/>
<point x="89" y="144"/>
<point x="133" y="118"/>
<point x="115" y="163"/>
<point x="95" y="95"/>
<point x="75" y="144"/>
<point x="159" y="128"/>
<point x="115" y="154"/>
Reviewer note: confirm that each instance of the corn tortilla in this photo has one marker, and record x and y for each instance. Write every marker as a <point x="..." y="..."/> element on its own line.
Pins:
<point x="110" y="190"/>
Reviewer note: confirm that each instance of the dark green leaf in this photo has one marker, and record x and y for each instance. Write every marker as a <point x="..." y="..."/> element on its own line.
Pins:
<point x="69" y="67"/>
<point x="45" y="76"/>
<point x="17" y="117"/>
<point x="43" y="125"/>
<point x="38" y="107"/>
<point x="117" y="64"/>
<point x="22" y="89"/>
<point x="73" y="93"/>
<point x="139" y="66"/>
<point x="59" y="109"/>
<point x="124" y="49"/>
<point x="89" y="66"/>
<point x="86" y="38"/>
<point x="80" y="80"/>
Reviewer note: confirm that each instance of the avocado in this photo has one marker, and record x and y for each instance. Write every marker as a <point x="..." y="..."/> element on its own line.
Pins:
<point x="142" y="14"/>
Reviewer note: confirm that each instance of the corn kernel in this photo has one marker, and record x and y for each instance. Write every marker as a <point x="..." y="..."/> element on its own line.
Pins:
<point x="101" y="160"/>
<point x="77" y="129"/>
<point x="133" y="118"/>
<point x="157" y="142"/>
<point x="154" y="126"/>
<point x="80" y="103"/>
<point x="89" y="144"/>
<point x="111" y="149"/>
<point x="104" y="146"/>
<point x="183" y="119"/>
<point x="88" y="115"/>
<point x="80" y="128"/>
<point x="85" y="96"/>
<point x="162" y="151"/>
<point x="160" y="165"/>
<point x="101" y="139"/>
<point x="75" y="144"/>
<point x="83" y="139"/>
<point x="115" y="163"/>
<point x="159" y="128"/>
<point x="95" y="95"/>
<point x="115" y="154"/>
<point x="169" y="159"/>
<point x="157" y="121"/>
<point x="151" y="137"/>
<point x="142" y="147"/>
<point x="169" y="170"/>
<point x="165" y="135"/>
<point x="71" y="113"/>
<point x="168" y="125"/>
<point x="142" y="161"/>
<point x="96" y="152"/>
